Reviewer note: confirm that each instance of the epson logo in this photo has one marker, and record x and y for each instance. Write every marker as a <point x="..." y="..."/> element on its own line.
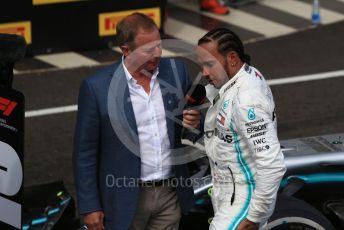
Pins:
<point x="11" y="177"/>
<point x="222" y="136"/>
<point x="257" y="128"/>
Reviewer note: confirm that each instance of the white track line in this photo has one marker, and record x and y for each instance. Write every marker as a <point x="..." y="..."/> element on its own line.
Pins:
<point x="280" y="81"/>
<point x="243" y="20"/>
<point x="67" y="60"/>
<point x="50" y="111"/>
<point x="303" y="78"/>
<point x="303" y="10"/>
<point x="183" y="31"/>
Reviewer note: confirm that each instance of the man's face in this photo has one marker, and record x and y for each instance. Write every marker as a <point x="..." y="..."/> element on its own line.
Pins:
<point x="214" y="65"/>
<point x="146" y="53"/>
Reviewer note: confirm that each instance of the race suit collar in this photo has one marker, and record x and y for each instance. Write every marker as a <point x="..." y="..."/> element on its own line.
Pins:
<point x="233" y="80"/>
<point x="214" y="94"/>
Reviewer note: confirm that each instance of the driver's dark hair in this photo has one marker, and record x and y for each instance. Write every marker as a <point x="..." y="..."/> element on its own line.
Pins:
<point x="127" y="28"/>
<point x="227" y="41"/>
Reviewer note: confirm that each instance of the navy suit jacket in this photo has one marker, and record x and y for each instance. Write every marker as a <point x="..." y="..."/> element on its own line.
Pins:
<point x="106" y="146"/>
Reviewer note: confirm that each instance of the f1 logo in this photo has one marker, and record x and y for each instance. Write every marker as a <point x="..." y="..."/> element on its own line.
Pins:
<point x="7" y="106"/>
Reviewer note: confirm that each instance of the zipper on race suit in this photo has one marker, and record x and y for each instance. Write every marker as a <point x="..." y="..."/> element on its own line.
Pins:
<point x="233" y="194"/>
<point x="233" y="182"/>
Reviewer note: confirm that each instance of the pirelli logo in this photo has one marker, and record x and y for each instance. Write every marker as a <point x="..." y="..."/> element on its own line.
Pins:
<point x="7" y="106"/>
<point x="20" y="28"/>
<point x="45" y="2"/>
<point x="108" y="21"/>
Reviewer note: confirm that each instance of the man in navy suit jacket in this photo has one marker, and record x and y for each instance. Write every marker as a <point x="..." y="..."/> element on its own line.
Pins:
<point x="126" y="134"/>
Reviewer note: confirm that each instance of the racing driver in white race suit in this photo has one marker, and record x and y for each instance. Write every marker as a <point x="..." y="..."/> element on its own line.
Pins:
<point x="241" y="142"/>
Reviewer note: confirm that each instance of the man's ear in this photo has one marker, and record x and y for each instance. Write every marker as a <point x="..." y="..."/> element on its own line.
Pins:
<point x="125" y="50"/>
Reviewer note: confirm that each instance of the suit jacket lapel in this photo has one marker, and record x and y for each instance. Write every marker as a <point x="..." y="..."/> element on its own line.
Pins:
<point x="167" y="85"/>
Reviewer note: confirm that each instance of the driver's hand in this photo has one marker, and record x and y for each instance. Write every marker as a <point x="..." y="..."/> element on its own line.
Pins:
<point x="248" y="225"/>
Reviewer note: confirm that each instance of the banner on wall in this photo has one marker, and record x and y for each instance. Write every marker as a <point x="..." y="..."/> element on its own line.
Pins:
<point x="19" y="28"/>
<point x="51" y="26"/>
<point x="108" y="21"/>
<point x="45" y="2"/>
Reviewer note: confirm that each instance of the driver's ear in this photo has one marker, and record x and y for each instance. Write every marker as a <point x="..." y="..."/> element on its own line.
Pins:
<point x="231" y="58"/>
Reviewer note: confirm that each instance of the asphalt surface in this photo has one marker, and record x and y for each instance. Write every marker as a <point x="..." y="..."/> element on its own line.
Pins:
<point x="303" y="109"/>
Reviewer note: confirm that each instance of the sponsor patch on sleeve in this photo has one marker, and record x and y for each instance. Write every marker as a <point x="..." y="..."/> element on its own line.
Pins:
<point x="225" y="104"/>
<point x="221" y="119"/>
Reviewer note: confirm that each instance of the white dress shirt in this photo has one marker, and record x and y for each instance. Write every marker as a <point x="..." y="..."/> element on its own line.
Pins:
<point x="152" y="128"/>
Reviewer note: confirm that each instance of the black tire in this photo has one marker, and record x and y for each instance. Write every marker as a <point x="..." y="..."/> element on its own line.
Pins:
<point x="291" y="213"/>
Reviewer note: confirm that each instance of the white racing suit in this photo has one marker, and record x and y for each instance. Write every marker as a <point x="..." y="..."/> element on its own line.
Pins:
<point x="241" y="142"/>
